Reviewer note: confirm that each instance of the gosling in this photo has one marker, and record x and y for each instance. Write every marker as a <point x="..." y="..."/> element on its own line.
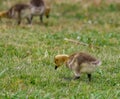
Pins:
<point x="79" y="63"/>
<point x="38" y="8"/>
<point x="22" y="11"/>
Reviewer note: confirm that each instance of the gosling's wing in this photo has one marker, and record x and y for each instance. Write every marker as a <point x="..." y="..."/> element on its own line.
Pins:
<point x="37" y="3"/>
<point x="97" y="63"/>
<point x="85" y="58"/>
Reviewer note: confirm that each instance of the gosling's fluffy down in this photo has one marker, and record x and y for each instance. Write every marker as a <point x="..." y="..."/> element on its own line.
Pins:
<point x="25" y="11"/>
<point x="78" y="62"/>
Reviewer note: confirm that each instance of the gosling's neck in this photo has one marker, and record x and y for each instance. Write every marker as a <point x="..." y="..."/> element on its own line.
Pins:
<point x="65" y="58"/>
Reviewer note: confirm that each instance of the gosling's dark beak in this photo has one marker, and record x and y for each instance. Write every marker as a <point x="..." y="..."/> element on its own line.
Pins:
<point x="56" y="67"/>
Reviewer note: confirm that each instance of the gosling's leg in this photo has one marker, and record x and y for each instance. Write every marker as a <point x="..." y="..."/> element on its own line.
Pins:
<point x="29" y="19"/>
<point x="19" y="18"/>
<point x="89" y="77"/>
<point x="41" y="18"/>
<point x="77" y="75"/>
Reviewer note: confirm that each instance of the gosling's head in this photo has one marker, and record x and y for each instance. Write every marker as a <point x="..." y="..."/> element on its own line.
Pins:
<point x="3" y="14"/>
<point x="47" y="12"/>
<point x="60" y="60"/>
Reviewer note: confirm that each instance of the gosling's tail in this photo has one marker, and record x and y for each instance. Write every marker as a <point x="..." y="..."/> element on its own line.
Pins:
<point x="97" y="63"/>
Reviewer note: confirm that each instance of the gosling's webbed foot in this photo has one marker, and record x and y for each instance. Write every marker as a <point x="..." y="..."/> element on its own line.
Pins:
<point x="76" y="77"/>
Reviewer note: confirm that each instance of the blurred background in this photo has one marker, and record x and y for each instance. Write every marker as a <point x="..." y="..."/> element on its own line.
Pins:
<point x="4" y="4"/>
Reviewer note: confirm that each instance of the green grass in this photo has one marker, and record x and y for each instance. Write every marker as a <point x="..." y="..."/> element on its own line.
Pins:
<point x="27" y="53"/>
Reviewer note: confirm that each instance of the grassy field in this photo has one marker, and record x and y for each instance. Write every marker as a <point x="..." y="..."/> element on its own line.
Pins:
<point x="27" y="53"/>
